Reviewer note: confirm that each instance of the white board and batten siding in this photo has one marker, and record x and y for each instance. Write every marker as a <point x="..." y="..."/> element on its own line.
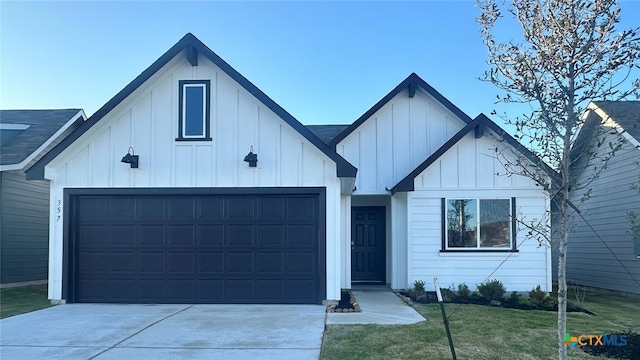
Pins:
<point x="396" y="139"/>
<point x="470" y="170"/>
<point x="148" y="121"/>
<point x="589" y="261"/>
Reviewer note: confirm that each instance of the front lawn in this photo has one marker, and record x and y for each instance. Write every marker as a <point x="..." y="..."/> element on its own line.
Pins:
<point x="483" y="332"/>
<point x="20" y="300"/>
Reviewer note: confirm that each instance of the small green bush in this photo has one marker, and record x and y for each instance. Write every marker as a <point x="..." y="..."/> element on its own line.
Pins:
<point x="447" y="295"/>
<point x="492" y="290"/>
<point x="515" y="296"/>
<point x="537" y="296"/>
<point x="464" y="293"/>
<point x="417" y="291"/>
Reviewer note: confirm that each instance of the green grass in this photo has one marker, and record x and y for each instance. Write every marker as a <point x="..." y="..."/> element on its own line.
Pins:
<point x="20" y="300"/>
<point x="483" y="332"/>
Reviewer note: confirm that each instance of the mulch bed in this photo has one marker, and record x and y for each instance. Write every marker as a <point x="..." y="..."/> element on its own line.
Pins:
<point x="429" y="297"/>
<point x="630" y="351"/>
<point x="347" y="304"/>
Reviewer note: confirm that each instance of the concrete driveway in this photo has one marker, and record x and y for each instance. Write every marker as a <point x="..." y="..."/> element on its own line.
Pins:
<point x="100" y="331"/>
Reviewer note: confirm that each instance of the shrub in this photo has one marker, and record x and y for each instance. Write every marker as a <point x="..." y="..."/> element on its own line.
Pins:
<point x="492" y="290"/>
<point x="447" y="295"/>
<point x="417" y="291"/>
<point x="537" y="295"/>
<point x="515" y="297"/>
<point x="464" y="293"/>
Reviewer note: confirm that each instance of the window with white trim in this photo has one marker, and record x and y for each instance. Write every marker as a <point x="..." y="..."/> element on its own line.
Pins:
<point x="478" y="224"/>
<point x="194" y="109"/>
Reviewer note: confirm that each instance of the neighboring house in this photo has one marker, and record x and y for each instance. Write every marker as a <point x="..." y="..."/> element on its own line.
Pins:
<point x="25" y="135"/>
<point x="224" y="197"/>
<point x="602" y="251"/>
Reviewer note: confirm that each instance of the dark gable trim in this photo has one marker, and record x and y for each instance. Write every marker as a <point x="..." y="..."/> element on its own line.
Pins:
<point x="481" y="121"/>
<point x="191" y="44"/>
<point x="412" y="82"/>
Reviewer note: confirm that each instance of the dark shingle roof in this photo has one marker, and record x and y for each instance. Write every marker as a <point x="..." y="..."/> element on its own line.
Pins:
<point x="326" y="133"/>
<point x="42" y="125"/>
<point x="625" y="113"/>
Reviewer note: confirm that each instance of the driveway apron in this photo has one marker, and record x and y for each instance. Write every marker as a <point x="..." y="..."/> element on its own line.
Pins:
<point x="100" y="331"/>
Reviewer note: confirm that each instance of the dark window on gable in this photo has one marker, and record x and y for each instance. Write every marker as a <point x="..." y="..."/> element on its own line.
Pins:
<point x="194" y="110"/>
<point x="478" y="224"/>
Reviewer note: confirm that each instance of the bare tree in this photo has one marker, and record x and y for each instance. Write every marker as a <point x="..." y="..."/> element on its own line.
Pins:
<point x="569" y="53"/>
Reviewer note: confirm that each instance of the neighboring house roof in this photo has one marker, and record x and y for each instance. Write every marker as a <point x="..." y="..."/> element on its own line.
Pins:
<point x="478" y="124"/>
<point x="624" y="113"/>
<point x="412" y="82"/>
<point x="25" y="134"/>
<point x="326" y="133"/>
<point x="193" y="46"/>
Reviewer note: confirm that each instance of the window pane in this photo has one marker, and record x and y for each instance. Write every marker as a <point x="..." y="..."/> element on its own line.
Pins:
<point x="194" y="111"/>
<point x="494" y="223"/>
<point x="462" y="218"/>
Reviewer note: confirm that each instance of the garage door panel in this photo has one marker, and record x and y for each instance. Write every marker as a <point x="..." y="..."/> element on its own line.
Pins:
<point x="209" y="290"/>
<point x="239" y="290"/>
<point x="122" y="262"/>
<point x="302" y="208"/>
<point x="301" y="235"/>
<point x="179" y="262"/>
<point x="300" y="263"/>
<point x="271" y="208"/>
<point x="120" y="209"/>
<point x="149" y="208"/>
<point x="93" y="261"/>
<point x="91" y="209"/>
<point x="93" y="235"/>
<point x="239" y="262"/>
<point x="271" y="235"/>
<point x="150" y="235"/>
<point x="210" y="262"/>
<point x="179" y="290"/>
<point x="197" y="248"/>
<point x="211" y="208"/>
<point x="180" y="208"/>
<point x="269" y="290"/>
<point x="300" y="290"/>
<point x="240" y="208"/>
<point x="151" y="262"/>
<point x="240" y="235"/>
<point x="121" y="235"/>
<point x="180" y="234"/>
<point x="270" y="262"/>
<point x="210" y="235"/>
<point x="150" y="290"/>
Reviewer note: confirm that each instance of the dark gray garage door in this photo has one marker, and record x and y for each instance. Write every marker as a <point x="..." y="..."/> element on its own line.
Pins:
<point x="203" y="248"/>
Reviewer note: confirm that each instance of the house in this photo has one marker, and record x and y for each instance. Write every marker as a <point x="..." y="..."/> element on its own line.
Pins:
<point x="602" y="251"/>
<point x="192" y="185"/>
<point x="25" y="135"/>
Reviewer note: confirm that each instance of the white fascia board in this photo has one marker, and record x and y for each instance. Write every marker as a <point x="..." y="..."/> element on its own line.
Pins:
<point x="607" y="120"/>
<point x="44" y="145"/>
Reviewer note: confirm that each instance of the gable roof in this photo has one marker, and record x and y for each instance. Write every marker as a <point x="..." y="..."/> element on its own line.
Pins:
<point x="191" y="45"/>
<point x="412" y="82"/>
<point x="26" y="133"/>
<point x="481" y="121"/>
<point x="326" y="133"/>
<point x="624" y="113"/>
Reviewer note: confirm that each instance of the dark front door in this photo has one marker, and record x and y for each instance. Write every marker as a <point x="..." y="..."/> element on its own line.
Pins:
<point x="368" y="244"/>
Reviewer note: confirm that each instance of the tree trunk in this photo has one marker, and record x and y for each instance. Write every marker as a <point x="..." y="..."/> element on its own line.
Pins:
<point x="562" y="282"/>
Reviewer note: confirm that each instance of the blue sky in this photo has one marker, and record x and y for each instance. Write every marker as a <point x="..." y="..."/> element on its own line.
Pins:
<point x="324" y="62"/>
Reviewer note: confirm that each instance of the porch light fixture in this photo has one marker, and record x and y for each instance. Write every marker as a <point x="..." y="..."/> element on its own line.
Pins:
<point x="130" y="158"/>
<point x="251" y="158"/>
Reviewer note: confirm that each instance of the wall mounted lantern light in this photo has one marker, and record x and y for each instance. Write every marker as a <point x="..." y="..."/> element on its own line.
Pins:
<point x="251" y="158"/>
<point x="130" y="159"/>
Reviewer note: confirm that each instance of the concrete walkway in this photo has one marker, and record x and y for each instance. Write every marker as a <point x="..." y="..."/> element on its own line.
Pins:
<point x="158" y="332"/>
<point x="379" y="306"/>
